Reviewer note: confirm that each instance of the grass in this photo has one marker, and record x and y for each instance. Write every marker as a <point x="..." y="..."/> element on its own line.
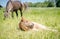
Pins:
<point x="46" y="16"/>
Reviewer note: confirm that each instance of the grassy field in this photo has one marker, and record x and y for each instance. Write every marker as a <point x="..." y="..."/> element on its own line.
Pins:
<point x="46" y="16"/>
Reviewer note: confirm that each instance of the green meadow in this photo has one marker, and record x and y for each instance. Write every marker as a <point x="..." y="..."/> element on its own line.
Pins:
<point x="49" y="17"/>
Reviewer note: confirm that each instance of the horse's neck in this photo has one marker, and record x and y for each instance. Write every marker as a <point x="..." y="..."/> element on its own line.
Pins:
<point x="9" y="0"/>
<point x="8" y="5"/>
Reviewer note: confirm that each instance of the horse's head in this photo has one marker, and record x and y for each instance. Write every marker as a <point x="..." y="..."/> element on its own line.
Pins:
<point x="6" y="14"/>
<point x="26" y="24"/>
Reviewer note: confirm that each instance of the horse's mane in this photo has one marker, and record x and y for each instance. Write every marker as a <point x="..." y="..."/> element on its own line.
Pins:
<point x="8" y="2"/>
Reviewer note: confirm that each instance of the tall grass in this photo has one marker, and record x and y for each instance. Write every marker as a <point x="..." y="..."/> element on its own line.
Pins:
<point x="47" y="16"/>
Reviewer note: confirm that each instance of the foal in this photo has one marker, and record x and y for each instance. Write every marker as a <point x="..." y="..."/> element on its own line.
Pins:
<point x="25" y="24"/>
<point x="28" y="25"/>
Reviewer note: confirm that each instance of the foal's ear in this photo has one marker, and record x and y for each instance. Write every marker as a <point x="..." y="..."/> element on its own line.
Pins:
<point x="21" y="20"/>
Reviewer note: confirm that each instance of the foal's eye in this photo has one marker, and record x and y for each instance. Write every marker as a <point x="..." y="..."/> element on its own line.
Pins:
<point x="7" y="11"/>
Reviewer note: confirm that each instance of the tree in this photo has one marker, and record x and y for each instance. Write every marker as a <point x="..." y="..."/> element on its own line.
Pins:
<point x="29" y="4"/>
<point x="0" y="6"/>
<point x="50" y="4"/>
<point x="58" y="3"/>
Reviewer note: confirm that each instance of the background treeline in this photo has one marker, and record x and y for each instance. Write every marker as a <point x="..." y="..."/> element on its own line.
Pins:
<point x="1" y="7"/>
<point x="46" y="3"/>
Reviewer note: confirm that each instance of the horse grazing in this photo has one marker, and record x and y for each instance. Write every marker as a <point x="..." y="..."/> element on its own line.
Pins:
<point x="13" y="6"/>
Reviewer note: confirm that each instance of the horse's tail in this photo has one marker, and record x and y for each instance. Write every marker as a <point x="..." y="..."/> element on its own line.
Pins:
<point x="25" y="6"/>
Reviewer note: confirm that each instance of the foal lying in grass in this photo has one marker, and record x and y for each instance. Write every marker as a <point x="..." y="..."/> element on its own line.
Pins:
<point x="28" y="25"/>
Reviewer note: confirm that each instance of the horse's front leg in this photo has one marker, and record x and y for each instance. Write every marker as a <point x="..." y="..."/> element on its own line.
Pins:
<point x="12" y="15"/>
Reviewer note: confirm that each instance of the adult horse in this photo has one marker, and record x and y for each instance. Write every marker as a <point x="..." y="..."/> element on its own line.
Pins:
<point x="13" y="6"/>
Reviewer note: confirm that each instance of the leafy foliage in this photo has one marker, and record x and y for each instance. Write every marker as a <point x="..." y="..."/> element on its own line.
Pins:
<point x="41" y="4"/>
<point x="58" y="3"/>
<point x="49" y="3"/>
<point x="0" y="6"/>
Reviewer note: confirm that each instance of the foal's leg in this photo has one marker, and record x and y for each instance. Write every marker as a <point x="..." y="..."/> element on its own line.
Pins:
<point x="16" y="13"/>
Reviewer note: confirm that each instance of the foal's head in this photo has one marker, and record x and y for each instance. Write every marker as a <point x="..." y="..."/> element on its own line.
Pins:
<point x="26" y="24"/>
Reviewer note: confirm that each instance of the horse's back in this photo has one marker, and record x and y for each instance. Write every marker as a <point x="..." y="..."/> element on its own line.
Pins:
<point x="17" y="4"/>
<point x="14" y="5"/>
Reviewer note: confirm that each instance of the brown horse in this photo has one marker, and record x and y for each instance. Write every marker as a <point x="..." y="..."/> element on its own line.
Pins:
<point x="13" y="6"/>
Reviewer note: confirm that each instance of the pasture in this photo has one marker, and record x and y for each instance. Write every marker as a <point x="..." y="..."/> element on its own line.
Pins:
<point x="46" y="16"/>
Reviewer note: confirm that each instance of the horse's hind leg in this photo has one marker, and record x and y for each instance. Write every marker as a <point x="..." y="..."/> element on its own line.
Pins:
<point x="21" y="12"/>
<point x="16" y="13"/>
